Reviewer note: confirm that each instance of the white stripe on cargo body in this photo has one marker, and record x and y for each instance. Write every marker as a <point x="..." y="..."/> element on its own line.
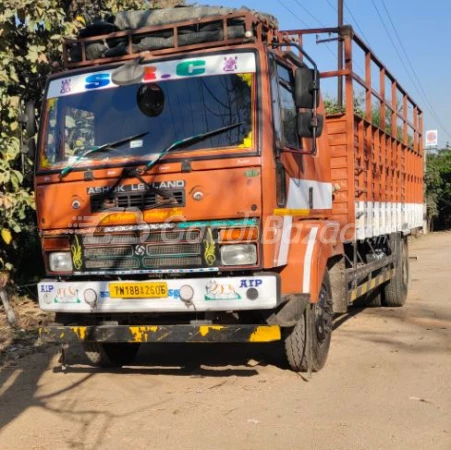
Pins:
<point x="285" y="240"/>
<point x="308" y="259"/>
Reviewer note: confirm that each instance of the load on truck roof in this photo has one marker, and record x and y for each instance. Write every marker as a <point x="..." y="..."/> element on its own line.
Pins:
<point x="131" y="32"/>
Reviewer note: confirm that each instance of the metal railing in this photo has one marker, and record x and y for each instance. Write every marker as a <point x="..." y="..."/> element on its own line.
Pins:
<point x="394" y="103"/>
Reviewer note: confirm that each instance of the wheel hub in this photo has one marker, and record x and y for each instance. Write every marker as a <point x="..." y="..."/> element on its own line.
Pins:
<point x="323" y="318"/>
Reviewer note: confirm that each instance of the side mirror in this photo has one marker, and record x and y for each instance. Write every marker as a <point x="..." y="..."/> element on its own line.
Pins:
<point x="129" y="73"/>
<point x="306" y="124"/>
<point x="30" y="118"/>
<point x="306" y="88"/>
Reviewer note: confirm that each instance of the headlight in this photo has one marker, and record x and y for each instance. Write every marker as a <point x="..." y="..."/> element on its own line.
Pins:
<point x="60" y="262"/>
<point x="239" y="255"/>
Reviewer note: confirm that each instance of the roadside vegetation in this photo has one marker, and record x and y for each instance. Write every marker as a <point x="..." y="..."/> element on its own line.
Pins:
<point x="438" y="189"/>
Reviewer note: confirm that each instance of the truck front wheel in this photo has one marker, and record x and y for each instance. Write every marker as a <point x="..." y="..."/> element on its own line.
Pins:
<point x="320" y="334"/>
<point x="110" y="354"/>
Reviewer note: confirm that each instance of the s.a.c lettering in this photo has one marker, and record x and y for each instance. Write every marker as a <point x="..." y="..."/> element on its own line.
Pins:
<point x="189" y="68"/>
<point x="97" y="80"/>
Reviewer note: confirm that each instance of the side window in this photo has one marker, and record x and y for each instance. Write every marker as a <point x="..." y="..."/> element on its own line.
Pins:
<point x="277" y="119"/>
<point x="53" y="136"/>
<point x="79" y="131"/>
<point x="287" y="106"/>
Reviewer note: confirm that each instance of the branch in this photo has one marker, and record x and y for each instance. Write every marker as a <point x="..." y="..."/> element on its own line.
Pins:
<point x="10" y="316"/>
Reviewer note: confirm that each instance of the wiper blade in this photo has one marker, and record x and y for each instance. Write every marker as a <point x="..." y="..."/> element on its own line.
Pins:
<point x="135" y="172"/>
<point x="188" y="141"/>
<point x="106" y="147"/>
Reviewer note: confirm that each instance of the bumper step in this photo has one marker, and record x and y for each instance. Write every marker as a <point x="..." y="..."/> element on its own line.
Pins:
<point x="161" y="333"/>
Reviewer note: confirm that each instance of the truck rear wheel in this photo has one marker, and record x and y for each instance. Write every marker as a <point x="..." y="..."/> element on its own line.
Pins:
<point x="374" y="298"/>
<point x="320" y="334"/>
<point x="110" y="354"/>
<point x="396" y="290"/>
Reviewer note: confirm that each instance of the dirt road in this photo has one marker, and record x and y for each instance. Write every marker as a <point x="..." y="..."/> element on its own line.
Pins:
<point x="387" y="385"/>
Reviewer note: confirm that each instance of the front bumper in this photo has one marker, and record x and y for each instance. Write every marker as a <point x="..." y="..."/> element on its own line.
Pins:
<point x="162" y="333"/>
<point x="210" y="294"/>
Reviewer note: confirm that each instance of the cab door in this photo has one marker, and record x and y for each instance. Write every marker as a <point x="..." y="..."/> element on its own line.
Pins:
<point x="288" y="145"/>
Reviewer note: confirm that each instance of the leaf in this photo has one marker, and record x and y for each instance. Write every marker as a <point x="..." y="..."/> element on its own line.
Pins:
<point x="7" y="236"/>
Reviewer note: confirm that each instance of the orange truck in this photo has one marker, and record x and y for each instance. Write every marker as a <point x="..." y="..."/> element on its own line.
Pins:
<point x="192" y="187"/>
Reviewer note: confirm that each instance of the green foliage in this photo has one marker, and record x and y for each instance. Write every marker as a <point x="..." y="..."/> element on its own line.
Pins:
<point x="438" y="189"/>
<point x="31" y="34"/>
<point x="332" y="107"/>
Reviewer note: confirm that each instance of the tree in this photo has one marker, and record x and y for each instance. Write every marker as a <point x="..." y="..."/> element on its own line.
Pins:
<point x="438" y="189"/>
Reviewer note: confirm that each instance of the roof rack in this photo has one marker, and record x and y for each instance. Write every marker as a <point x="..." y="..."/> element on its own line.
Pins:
<point x="231" y="29"/>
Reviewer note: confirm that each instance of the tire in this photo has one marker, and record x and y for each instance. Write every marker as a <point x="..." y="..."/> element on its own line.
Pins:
<point x="320" y="333"/>
<point x="374" y="298"/>
<point x="110" y="354"/>
<point x="396" y="290"/>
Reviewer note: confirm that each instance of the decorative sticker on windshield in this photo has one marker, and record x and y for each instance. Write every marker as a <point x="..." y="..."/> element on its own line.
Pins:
<point x="191" y="68"/>
<point x="243" y="63"/>
<point x="97" y="80"/>
<point x="247" y="142"/>
<point x="150" y="73"/>
<point x="247" y="78"/>
<point x="136" y="143"/>
<point x="230" y="64"/>
<point x="66" y="86"/>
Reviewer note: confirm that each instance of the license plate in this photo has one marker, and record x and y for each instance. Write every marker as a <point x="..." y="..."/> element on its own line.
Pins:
<point x="138" y="290"/>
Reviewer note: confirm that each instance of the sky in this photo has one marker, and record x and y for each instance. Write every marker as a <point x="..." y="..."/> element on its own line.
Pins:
<point x="422" y="27"/>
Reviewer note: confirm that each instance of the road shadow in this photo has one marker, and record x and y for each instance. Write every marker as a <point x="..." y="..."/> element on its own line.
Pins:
<point x="431" y="325"/>
<point x="189" y="360"/>
<point x="341" y="319"/>
<point x="19" y="383"/>
<point x="19" y="386"/>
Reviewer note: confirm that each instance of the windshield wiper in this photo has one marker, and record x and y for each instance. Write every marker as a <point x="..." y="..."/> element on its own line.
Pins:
<point x="105" y="147"/>
<point x="188" y="141"/>
<point x="137" y="173"/>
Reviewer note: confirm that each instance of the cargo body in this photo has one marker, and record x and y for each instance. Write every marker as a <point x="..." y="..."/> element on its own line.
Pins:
<point x="203" y="192"/>
<point x="387" y="188"/>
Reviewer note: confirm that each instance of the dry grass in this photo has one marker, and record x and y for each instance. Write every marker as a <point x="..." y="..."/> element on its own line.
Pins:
<point x="16" y="343"/>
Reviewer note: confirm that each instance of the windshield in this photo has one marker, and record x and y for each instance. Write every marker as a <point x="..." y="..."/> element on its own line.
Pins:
<point x="162" y="109"/>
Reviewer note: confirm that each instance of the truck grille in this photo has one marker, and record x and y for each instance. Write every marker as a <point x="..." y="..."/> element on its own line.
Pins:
<point x="129" y="263"/>
<point x="164" y="263"/>
<point x="178" y="249"/>
<point x="103" y="252"/>
<point x="168" y="237"/>
<point x="139" y="200"/>
<point x="143" y="250"/>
